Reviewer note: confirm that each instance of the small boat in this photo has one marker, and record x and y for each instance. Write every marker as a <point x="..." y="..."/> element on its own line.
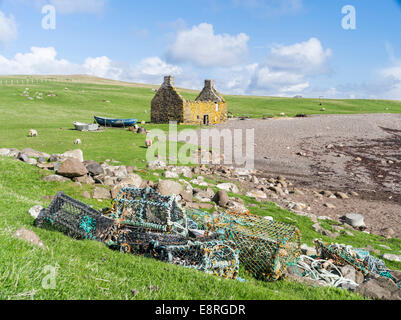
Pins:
<point x="80" y="126"/>
<point x="117" y="123"/>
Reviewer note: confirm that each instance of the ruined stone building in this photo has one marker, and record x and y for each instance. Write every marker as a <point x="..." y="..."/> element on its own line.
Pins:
<point x="168" y="105"/>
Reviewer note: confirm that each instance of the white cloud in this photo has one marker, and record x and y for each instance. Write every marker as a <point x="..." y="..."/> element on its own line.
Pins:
<point x="306" y="57"/>
<point x="38" y="61"/>
<point x="155" y="66"/>
<point x="45" y="61"/>
<point x="286" y="69"/>
<point x="8" y="28"/>
<point x="203" y="48"/>
<point x="152" y="70"/>
<point x="102" y="67"/>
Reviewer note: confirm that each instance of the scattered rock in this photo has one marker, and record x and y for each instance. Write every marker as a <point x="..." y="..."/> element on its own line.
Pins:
<point x="205" y="206"/>
<point x="327" y="193"/>
<point x="387" y="233"/>
<point x="32" y="161"/>
<point x="329" y="205"/>
<point x="170" y="175"/>
<point x="380" y="289"/>
<point x="95" y="169"/>
<point x="392" y="257"/>
<point x="169" y="187"/>
<point x="258" y="194"/>
<point x="187" y="196"/>
<point x="279" y="191"/>
<point x="34" y="154"/>
<point x="356" y="220"/>
<point x="133" y="180"/>
<point x="349" y="272"/>
<point x="341" y="195"/>
<point x="309" y="251"/>
<point x="101" y="193"/>
<point x="29" y="236"/>
<point x="157" y="165"/>
<point x="72" y="168"/>
<point x="85" y="180"/>
<point x="109" y="181"/>
<point x="76" y="154"/>
<point x="35" y="211"/>
<point x="221" y="198"/>
<point x="86" y="195"/>
<point x="23" y="157"/>
<point x="229" y="187"/>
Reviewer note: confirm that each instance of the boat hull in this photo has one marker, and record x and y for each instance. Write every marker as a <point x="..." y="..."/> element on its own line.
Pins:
<point x="116" y="123"/>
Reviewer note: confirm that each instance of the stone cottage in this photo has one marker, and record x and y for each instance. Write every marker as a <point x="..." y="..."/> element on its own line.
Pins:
<point x="168" y="105"/>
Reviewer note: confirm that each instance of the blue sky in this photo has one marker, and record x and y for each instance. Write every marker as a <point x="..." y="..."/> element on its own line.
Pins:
<point x="261" y="47"/>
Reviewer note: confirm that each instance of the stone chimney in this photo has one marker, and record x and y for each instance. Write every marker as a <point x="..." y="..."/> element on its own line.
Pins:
<point x="209" y="93"/>
<point x="168" y="81"/>
<point x="209" y="84"/>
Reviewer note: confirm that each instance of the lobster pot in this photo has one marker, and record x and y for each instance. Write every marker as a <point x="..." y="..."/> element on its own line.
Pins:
<point x="214" y="257"/>
<point x="265" y="247"/>
<point x="146" y="208"/>
<point x="73" y="218"/>
<point x="341" y="256"/>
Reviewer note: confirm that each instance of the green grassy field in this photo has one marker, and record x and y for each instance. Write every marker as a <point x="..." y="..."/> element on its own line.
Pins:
<point x="89" y="270"/>
<point x="52" y="117"/>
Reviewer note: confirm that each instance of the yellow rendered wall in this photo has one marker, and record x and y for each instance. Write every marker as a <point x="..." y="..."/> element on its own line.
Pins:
<point x="194" y="112"/>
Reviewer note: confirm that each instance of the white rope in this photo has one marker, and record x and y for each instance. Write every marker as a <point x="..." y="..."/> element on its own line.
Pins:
<point x="316" y="271"/>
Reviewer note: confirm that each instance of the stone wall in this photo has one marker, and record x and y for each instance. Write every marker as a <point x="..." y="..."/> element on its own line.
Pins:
<point x="168" y="104"/>
<point x="209" y="93"/>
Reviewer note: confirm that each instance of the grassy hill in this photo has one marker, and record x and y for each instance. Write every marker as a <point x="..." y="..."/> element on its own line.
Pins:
<point x="89" y="270"/>
<point x="79" y="100"/>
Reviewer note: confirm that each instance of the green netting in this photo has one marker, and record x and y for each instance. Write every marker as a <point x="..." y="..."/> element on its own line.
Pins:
<point x="341" y="256"/>
<point x="146" y="223"/>
<point x="146" y="208"/>
<point x="360" y="259"/>
<point x="265" y="247"/>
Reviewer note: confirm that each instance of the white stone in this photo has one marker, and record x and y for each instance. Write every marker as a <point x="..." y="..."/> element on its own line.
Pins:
<point x="257" y="194"/>
<point x="170" y="175"/>
<point x="32" y="161"/>
<point x="35" y="211"/>
<point x="355" y="219"/>
<point x="392" y="257"/>
<point x="77" y="154"/>
<point x="229" y="187"/>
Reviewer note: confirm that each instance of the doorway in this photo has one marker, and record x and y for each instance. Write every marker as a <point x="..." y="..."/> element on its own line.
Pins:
<point x="206" y="119"/>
